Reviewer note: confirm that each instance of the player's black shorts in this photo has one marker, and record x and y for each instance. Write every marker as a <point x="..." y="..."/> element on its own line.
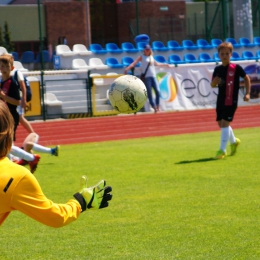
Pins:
<point x="226" y="113"/>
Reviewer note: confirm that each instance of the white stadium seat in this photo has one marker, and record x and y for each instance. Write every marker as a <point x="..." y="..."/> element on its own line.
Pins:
<point x="81" y="49"/>
<point x="64" y="50"/>
<point x="97" y="63"/>
<point x="79" y="64"/>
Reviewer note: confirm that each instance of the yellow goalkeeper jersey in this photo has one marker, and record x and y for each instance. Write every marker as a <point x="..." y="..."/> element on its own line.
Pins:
<point x="19" y="190"/>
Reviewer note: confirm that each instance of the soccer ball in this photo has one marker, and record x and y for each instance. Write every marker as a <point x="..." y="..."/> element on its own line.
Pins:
<point x="127" y="94"/>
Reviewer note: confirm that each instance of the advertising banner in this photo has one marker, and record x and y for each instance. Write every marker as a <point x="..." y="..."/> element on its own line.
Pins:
<point x="187" y="86"/>
<point x="33" y="108"/>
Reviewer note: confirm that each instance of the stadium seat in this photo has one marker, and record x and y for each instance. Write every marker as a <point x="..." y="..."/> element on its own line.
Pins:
<point x="126" y="61"/>
<point x="256" y="41"/>
<point x="258" y="54"/>
<point x="128" y="47"/>
<point x="3" y="50"/>
<point x="81" y="49"/>
<point x="15" y="55"/>
<point x="97" y="81"/>
<point x="51" y="100"/>
<point x="113" y="48"/>
<point x="203" y="44"/>
<point x="216" y="57"/>
<point x="142" y="38"/>
<point x="110" y="80"/>
<point x="234" y="42"/>
<point x="204" y="57"/>
<point x="19" y="66"/>
<point x="140" y="45"/>
<point x="175" y="59"/>
<point x="78" y="64"/>
<point x="112" y="74"/>
<point x="97" y="48"/>
<point x="113" y="63"/>
<point x="235" y="56"/>
<point x="190" y="58"/>
<point x="215" y="42"/>
<point x="189" y="45"/>
<point x="64" y="50"/>
<point x="246" y="42"/>
<point x="27" y="57"/>
<point x="160" y="58"/>
<point x="96" y="63"/>
<point x="46" y="56"/>
<point x="248" y="55"/>
<point x="159" y="46"/>
<point x="53" y="105"/>
<point x="174" y="46"/>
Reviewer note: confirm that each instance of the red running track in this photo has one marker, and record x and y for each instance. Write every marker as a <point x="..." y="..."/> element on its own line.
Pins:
<point x="97" y="129"/>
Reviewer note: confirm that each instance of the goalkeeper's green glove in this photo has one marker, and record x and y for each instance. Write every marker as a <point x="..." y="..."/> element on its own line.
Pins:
<point x="95" y="197"/>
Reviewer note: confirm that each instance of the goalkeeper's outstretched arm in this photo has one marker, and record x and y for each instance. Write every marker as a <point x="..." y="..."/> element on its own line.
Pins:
<point x="25" y="194"/>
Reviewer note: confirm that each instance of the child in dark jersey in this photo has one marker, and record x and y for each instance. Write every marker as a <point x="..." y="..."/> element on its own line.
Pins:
<point x="226" y="78"/>
<point x="10" y="94"/>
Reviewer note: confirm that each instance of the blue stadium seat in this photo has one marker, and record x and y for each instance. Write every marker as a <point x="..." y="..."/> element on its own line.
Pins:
<point x="203" y="44"/>
<point x="113" y="63"/>
<point x="234" y="42"/>
<point x="128" y="47"/>
<point x="160" y="58"/>
<point x="190" y="58"/>
<point x="140" y="45"/>
<point x="15" y="55"/>
<point x="248" y="55"/>
<point x="27" y="57"/>
<point x="97" y="48"/>
<point x="256" y="41"/>
<point x="215" y="42"/>
<point x="189" y="45"/>
<point x="159" y="46"/>
<point x="126" y="61"/>
<point x="216" y="57"/>
<point x="235" y="56"/>
<point x="204" y="57"/>
<point x="258" y="54"/>
<point x="113" y="48"/>
<point x="246" y="42"/>
<point x="46" y="56"/>
<point x="142" y="38"/>
<point x="174" y="46"/>
<point x="175" y="59"/>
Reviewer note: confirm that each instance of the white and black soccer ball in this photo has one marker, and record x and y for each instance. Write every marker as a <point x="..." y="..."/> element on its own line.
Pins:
<point x="127" y="94"/>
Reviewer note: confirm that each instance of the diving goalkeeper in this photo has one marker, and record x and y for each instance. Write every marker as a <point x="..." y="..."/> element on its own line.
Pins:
<point x="19" y="189"/>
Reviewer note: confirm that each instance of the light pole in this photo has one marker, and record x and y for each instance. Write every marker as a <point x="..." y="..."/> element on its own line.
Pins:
<point x="42" y="65"/>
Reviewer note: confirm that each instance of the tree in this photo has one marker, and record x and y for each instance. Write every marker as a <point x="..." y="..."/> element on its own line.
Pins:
<point x="7" y="39"/>
<point x="1" y="37"/>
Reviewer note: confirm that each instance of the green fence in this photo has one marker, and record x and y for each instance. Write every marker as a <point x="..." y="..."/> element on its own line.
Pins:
<point x="202" y="20"/>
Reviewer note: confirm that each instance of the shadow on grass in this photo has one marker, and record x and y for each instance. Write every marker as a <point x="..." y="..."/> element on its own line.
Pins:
<point x="197" y="161"/>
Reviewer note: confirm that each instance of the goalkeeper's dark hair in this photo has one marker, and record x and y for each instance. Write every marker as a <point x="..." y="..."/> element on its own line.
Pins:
<point x="6" y="130"/>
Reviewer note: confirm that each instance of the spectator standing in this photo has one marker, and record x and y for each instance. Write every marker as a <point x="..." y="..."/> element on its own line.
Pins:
<point x="148" y="64"/>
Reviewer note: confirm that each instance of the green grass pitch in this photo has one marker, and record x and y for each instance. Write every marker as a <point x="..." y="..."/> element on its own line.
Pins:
<point x="170" y="201"/>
